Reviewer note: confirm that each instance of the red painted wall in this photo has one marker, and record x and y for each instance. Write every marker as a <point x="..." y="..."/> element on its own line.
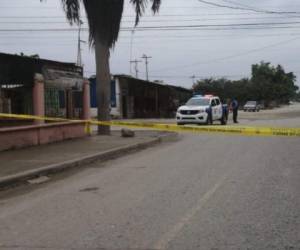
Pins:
<point x="20" y="137"/>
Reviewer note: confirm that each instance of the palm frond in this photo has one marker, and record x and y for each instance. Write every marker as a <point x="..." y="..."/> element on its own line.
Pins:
<point x="104" y="17"/>
<point x="155" y="5"/>
<point x="140" y="6"/>
<point x="72" y="10"/>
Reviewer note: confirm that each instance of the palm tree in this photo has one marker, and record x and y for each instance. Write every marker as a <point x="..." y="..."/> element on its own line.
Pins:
<point x="104" y="19"/>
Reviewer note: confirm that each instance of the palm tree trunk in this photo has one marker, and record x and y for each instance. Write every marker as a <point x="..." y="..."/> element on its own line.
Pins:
<point x="103" y="85"/>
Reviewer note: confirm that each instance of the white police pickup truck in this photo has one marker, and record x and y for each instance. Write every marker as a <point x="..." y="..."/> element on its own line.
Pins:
<point x="202" y="110"/>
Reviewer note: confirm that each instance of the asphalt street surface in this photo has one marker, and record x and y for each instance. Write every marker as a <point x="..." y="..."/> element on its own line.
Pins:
<point x="201" y="192"/>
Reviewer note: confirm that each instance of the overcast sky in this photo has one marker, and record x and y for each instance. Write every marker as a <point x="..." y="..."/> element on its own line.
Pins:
<point x="214" y="41"/>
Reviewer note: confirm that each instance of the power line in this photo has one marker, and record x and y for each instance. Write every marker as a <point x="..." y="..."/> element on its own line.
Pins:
<point x="48" y="7"/>
<point x="207" y="76"/>
<point x="57" y="8"/>
<point x="205" y="38"/>
<point x="39" y="44"/>
<point x="249" y="9"/>
<point x="147" y="16"/>
<point x="243" y="5"/>
<point x="157" y="29"/>
<point x="28" y="7"/>
<point x="197" y="76"/>
<point x="31" y="17"/>
<point x="162" y="27"/>
<point x="154" y="21"/>
<point x="213" y="25"/>
<point x="158" y="36"/>
<point x="207" y="28"/>
<point x="229" y="57"/>
<point x="253" y="8"/>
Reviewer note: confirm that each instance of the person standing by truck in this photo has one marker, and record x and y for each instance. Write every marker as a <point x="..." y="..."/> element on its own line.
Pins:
<point x="234" y="106"/>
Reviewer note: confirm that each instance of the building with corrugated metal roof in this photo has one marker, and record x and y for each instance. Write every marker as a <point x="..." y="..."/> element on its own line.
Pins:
<point x="137" y="98"/>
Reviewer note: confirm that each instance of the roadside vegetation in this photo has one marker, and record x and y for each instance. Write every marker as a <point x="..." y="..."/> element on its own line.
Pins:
<point x="269" y="84"/>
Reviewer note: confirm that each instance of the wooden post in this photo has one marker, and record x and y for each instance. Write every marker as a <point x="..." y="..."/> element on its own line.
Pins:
<point x="86" y="102"/>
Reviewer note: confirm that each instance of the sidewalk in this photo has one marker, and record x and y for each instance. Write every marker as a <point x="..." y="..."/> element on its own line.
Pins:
<point x="16" y="163"/>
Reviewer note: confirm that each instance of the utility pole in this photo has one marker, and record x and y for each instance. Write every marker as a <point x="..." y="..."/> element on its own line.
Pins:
<point x="136" y="62"/>
<point x="79" y="50"/>
<point x="131" y="49"/>
<point x="146" y="62"/>
<point x="193" y="77"/>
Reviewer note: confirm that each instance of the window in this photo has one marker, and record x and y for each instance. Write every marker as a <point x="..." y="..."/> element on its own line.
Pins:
<point x="198" y="102"/>
<point x="213" y="103"/>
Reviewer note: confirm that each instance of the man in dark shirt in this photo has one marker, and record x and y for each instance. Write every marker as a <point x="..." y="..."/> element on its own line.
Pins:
<point x="234" y="107"/>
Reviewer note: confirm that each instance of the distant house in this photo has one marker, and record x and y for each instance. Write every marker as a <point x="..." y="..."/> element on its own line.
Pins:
<point x="62" y="84"/>
<point x="136" y="98"/>
<point x="39" y="87"/>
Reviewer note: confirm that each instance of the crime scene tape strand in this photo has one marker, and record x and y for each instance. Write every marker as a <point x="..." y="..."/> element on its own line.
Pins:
<point x="233" y="130"/>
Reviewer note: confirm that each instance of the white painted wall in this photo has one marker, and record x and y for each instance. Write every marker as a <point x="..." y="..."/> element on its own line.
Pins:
<point x="116" y="111"/>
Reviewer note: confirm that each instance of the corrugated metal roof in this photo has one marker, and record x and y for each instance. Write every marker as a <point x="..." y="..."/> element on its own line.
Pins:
<point x="15" y="69"/>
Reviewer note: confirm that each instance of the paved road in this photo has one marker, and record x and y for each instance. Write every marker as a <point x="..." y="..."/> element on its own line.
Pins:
<point x="202" y="192"/>
<point x="283" y="116"/>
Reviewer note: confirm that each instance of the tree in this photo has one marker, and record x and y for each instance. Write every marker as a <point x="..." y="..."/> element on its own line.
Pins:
<point x="273" y="83"/>
<point x="224" y="88"/>
<point x="267" y="84"/>
<point x="104" y="19"/>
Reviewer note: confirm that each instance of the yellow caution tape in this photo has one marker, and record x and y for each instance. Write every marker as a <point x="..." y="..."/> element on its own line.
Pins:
<point x="234" y="130"/>
<point x="87" y="128"/>
<point x="238" y="130"/>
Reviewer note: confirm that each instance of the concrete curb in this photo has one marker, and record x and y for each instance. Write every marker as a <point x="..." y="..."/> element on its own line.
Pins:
<point x="17" y="179"/>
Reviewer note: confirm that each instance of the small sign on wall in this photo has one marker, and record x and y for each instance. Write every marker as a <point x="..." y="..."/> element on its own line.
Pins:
<point x="62" y="79"/>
